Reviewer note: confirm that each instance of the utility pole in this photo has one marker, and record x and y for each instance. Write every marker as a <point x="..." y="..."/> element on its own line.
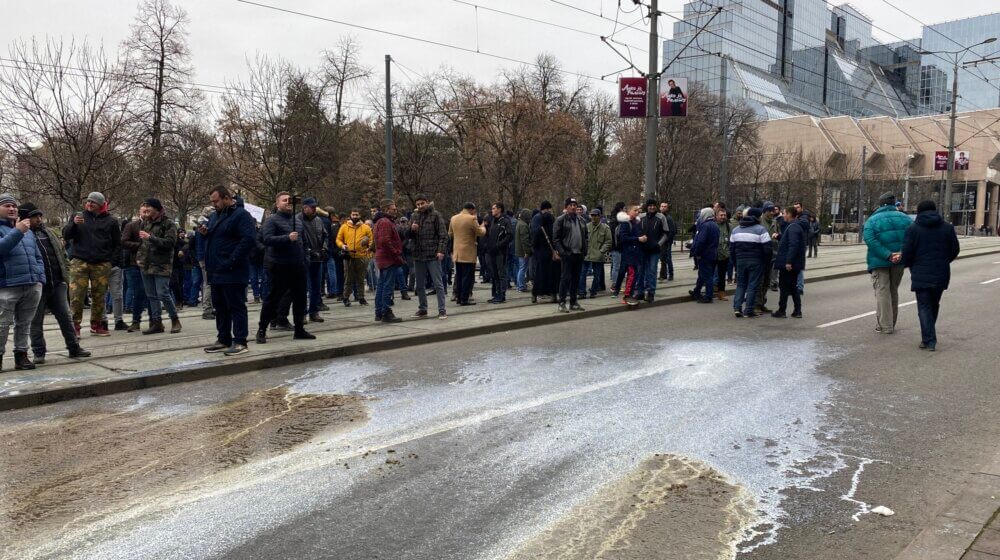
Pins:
<point x="724" y="125"/>
<point x="946" y="204"/>
<point x="906" y="185"/>
<point x="861" y="191"/>
<point x="388" y="129"/>
<point x="652" y="103"/>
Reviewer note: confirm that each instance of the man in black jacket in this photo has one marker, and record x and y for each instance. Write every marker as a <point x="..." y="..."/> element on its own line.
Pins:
<point x="929" y="246"/>
<point x="651" y="224"/>
<point x="429" y="234"/>
<point x="569" y="239"/>
<point x="95" y="242"/>
<point x="285" y="260"/>
<point x="666" y="253"/>
<point x="498" y="239"/>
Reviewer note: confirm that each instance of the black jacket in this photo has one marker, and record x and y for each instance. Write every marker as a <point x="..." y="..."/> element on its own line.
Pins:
<point x="929" y="246"/>
<point x="652" y="228"/>
<point x="499" y="235"/>
<point x="98" y="239"/>
<point x="792" y="248"/>
<point x="281" y="249"/>
<point x="231" y="239"/>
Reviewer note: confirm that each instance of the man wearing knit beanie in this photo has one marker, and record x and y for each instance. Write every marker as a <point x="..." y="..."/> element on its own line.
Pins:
<point x="22" y="274"/>
<point x="95" y="245"/>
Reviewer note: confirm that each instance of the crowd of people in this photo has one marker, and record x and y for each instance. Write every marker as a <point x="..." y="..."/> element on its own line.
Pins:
<point x="302" y="255"/>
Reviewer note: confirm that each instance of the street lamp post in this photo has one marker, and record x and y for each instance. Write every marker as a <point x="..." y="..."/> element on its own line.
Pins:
<point x="946" y="202"/>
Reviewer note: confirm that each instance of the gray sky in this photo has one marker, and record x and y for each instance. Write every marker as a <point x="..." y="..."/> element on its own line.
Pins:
<point x="224" y="32"/>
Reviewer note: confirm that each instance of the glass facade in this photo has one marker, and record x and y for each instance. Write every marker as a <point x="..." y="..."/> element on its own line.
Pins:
<point x="789" y="57"/>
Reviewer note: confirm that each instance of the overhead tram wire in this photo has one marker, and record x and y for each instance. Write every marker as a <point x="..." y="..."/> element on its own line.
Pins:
<point x="413" y="38"/>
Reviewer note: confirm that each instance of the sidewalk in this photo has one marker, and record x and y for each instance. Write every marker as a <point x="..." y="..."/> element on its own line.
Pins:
<point x="130" y="361"/>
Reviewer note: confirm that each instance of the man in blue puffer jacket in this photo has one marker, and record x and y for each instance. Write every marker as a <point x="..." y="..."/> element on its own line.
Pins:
<point x="883" y="233"/>
<point x="22" y="274"/>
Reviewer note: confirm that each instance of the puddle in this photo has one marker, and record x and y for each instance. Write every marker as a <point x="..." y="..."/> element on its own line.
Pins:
<point x="668" y="507"/>
<point x="78" y="468"/>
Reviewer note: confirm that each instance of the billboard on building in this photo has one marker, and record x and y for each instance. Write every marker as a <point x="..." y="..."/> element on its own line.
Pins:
<point x="673" y="97"/>
<point x="632" y="97"/>
<point x="961" y="161"/>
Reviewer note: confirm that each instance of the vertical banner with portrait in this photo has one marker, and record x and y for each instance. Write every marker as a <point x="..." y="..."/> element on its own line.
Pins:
<point x="673" y="97"/>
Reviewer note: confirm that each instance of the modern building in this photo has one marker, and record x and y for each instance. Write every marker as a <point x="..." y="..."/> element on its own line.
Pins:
<point x="807" y="57"/>
<point x="900" y="156"/>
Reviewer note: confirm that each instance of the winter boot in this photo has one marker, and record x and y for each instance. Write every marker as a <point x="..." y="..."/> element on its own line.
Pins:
<point x="721" y="295"/>
<point x="21" y="360"/>
<point x="135" y="327"/>
<point x="78" y="352"/>
<point x="155" y="327"/>
<point x="175" y="325"/>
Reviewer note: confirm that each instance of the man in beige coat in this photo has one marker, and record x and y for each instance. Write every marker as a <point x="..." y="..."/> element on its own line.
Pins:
<point x="464" y="229"/>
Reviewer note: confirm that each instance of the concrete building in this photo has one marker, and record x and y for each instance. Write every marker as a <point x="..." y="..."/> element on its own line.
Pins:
<point x="897" y="150"/>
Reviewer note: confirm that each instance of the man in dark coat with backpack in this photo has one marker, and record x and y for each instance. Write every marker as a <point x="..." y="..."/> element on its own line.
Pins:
<point x="929" y="246"/>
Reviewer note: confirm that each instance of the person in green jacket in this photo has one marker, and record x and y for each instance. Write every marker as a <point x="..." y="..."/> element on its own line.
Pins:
<point x="884" y="233"/>
<point x="522" y="248"/>
<point x="155" y="257"/>
<point x="598" y="246"/>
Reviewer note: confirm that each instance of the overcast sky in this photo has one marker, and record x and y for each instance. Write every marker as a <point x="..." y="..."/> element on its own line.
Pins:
<point x="224" y="32"/>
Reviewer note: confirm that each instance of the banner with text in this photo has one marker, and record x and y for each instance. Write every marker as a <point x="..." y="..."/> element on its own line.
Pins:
<point x="961" y="161"/>
<point x="673" y="97"/>
<point x="632" y="97"/>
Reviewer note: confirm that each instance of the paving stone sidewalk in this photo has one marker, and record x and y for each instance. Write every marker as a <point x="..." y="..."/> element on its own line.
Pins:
<point x="129" y="361"/>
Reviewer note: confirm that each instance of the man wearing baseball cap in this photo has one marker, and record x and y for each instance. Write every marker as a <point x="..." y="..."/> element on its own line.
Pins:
<point x="54" y="296"/>
<point x="95" y="238"/>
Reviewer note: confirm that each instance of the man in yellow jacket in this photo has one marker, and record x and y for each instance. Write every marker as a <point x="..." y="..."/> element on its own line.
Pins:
<point x="354" y="238"/>
<point x="464" y="229"/>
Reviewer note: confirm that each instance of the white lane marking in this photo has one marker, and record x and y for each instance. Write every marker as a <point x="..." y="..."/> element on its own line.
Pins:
<point x="991" y="281"/>
<point x="862" y="316"/>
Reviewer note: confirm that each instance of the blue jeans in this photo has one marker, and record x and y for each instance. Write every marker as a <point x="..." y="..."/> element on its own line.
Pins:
<point x="384" y="290"/>
<point x="135" y="294"/>
<point x="647" y="274"/>
<point x="332" y="279"/>
<point x="512" y="268"/>
<point x="401" y="272"/>
<point x="800" y="282"/>
<point x="193" y="285"/>
<point x="706" y="279"/>
<point x="597" y="284"/>
<point x="522" y="274"/>
<point x="748" y="276"/>
<point x="667" y="261"/>
<point x="928" y="306"/>
<point x="256" y="280"/>
<point x="616" y="265"/>
<point x="314" y="285"/>
<point x="158" y="291"/>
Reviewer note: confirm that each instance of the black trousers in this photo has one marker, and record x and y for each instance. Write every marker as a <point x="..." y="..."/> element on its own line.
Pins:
<point x="498" y="275"/>
<point x="285" y="278"/>
<point x="569" y="281"/>
<point x="787" y="286"/>
<point x="928" y="306"/>
<point x="230" y="304"/>
<point x="464" y="276"/>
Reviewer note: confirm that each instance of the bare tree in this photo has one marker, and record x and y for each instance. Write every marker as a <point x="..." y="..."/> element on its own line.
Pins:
<point x="65" y="114"/>
<point x="341" y="74"/>
<point x="191" y="168"/>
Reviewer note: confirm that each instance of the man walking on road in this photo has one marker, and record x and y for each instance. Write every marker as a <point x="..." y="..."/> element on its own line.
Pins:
<point x="96" y="237"/>
<point x="22" y="275"/>
<point x="286" y="265"/>
<point x="883" y="233"/>
<point x="55" y="293"/>
<point x="929" y="246"/>
<point x="230" y="236"/>
<point x="430" y="243"/>
<point x="569" y="238"/>
<point x="355" y="237"/>
<point x="465" y="229"/>
<point x="388" y="260"/>
<point x="158" y="236"/>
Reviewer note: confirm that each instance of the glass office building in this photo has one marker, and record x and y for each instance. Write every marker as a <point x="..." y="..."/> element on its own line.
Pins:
<point x="790" y="57"/>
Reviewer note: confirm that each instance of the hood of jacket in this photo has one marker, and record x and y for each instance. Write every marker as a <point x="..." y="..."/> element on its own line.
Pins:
<point x="622" y="217"/>
<point x="748" y="220"/>
<point x="427" y="209"/>
<point x="929" y="219"/>
<point x="525" y="216"/>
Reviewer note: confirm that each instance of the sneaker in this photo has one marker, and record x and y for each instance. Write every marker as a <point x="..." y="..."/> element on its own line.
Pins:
<point x="236" y="349"/>
<point x="347" y="302"/>
<point x="442" y="315"/>
<point x="283" y="326"/>
<point x="301" y="334"/>
<point x="78" y="352"/>
<point x="315" y="318"/>
<point x="576" y="307"/>
<point x="135" y="326"/>
<point x="778" y="315"/>
<point x="362" y="301"/>
<point x="216" y="347"/>
<point x="738" y="314"/>
<point x="420" y="313"/>
<point x="563" y="308"/>
<point x="797" y="314"/>
<point x="750" y="315"/>
<point x="323" y="307"/>
<point x="694" y="294"/>
<point x="40" y="359"/>
<point x="764" y="309"/>
<point x="390" y="317"/>
<point x="703" y="300"/>
<point x="208" y="315"/>
<point x="261" y="337"/>
<point x="631" y="301"/>
<point x="121" y="325"/>
<point x="614" y="294"/>
<point x="404" y="296"/>
<point x="97" y="329"/>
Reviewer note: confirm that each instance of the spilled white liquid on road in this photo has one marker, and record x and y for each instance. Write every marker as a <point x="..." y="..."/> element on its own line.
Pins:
<point x="595" y="414"/>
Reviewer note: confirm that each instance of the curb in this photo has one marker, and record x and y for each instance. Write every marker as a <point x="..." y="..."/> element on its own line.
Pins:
<point x="169" y="376"/>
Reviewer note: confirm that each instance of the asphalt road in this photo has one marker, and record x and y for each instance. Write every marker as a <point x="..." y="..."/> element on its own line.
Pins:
<point x="674" y="432"/>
